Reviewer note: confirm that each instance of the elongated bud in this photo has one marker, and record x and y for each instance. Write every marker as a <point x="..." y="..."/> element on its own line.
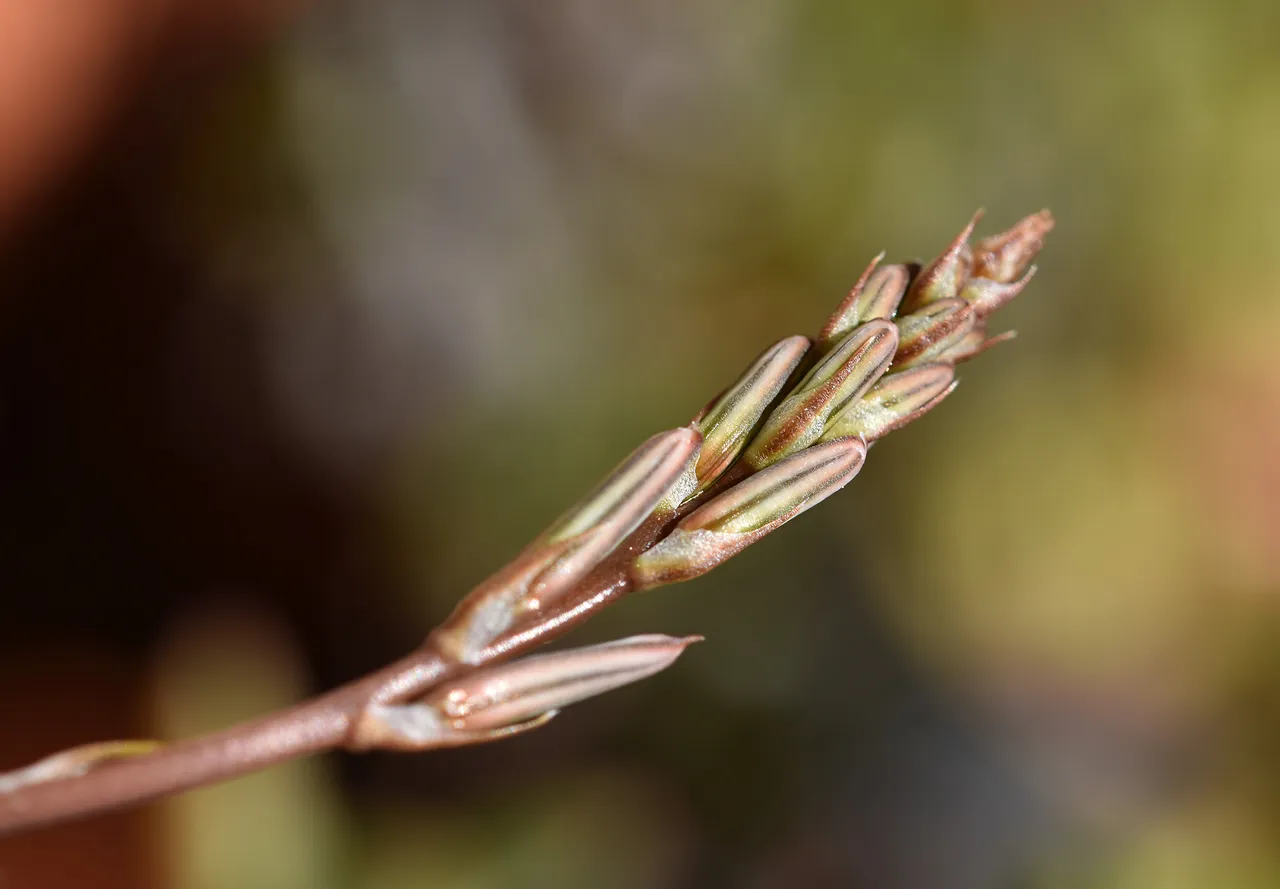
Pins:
<point x="943" y="278"/>
<point x="835" y="382"/>
<point x="1005" y="257"/>
<point x="504" y="700"/>
<point x="927" y="334"/>
<point x="748" y="511"/>
<point x="894" y="402"/>
<point x="847" y="315"/>
<point x="726" y="425"/>
<point x="74" y="762"/>
<point x="571" y="547"/>
<point x="885" y="290"/>
<point x="508" y="694"/>
<point x="875" y="296"/>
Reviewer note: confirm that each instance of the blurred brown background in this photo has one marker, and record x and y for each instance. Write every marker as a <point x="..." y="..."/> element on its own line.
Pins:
<point x="312" y="313"/>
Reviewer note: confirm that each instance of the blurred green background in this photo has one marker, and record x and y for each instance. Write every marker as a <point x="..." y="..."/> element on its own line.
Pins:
<point x="313" y="315"/>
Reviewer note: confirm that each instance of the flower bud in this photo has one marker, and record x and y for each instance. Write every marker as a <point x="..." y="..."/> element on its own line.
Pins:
<point x="748" y="511"/>
<point x="894" y="402"/>
<point x="1004" y="257"/>
<point x="930" y="332"/>
<point x="571" y="547"/>
<point x="876" y="295"/>
<point x="726" y="425"/>
<point x="509" y="694"/>
<point x="836" y="381"/>
<point x="885" y="290"/>
<point x="943" y="278"/>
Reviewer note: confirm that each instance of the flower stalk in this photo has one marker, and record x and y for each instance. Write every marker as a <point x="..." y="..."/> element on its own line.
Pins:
<point x="761" y="453"/>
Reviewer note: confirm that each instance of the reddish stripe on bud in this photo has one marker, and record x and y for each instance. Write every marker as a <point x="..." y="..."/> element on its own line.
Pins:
<point x="927" y="334"/>
<point x="943" y="278"/>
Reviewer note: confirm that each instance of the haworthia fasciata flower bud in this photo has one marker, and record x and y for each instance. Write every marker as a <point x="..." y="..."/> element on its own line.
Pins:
<point x="496" y="702"/>
<point x="943" y="278"/>
<point x="507" y="694"/>
<point x="836" y="381"/>
<point x="929" y="332"/>
<point x="875" y="296"/>
<point x="727" y="424"/>
<point x="571" y="547"/>
<point x="748" y="511"/>
<point x="1004" y="257"/>
<point x="895" y="401"/>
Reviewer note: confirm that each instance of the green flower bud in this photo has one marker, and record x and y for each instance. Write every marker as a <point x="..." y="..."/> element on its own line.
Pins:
<point x="571" y="547"/>
<point x="748" y="511"/>
<point x="894" y="402"/>
<point x="929" y="333"/>
<point x="727" y="424"/>
<point x="835" y="382"/>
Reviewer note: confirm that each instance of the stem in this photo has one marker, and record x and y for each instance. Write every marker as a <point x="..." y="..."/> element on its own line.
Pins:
<point x="321" y="724"/>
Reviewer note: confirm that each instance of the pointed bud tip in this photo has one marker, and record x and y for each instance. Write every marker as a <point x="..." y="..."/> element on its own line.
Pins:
<point x="850" y="311"/>
<point x="1003" y="257"/>
<point x="943" y="278"/>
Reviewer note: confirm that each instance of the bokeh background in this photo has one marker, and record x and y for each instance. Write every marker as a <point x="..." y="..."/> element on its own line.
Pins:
<point x="312" y="313"/>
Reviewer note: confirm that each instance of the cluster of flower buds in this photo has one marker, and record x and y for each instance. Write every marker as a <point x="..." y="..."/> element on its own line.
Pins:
<point x="791" y="431"/>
